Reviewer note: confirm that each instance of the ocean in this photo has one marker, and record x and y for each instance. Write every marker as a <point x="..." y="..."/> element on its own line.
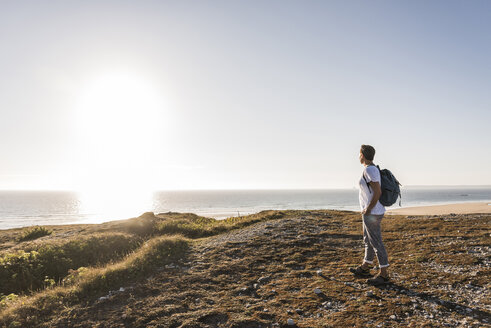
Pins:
<point x="28" y="208"/>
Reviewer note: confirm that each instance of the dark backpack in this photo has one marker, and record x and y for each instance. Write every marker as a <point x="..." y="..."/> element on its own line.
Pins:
<point x="390" y="187"/>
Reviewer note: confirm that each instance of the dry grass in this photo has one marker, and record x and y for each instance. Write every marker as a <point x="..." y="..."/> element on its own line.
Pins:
<point x="440" y="268"/>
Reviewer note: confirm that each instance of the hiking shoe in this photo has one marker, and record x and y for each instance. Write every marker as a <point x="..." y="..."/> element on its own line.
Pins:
<point x="378" y="280"/>
<point x="360" y="272"/>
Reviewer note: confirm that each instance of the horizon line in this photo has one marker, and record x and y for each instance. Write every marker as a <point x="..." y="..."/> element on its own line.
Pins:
<point x="251" y="189"/>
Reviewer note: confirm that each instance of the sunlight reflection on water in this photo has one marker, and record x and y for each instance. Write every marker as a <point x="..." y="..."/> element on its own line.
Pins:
<point x="27" y="208"/>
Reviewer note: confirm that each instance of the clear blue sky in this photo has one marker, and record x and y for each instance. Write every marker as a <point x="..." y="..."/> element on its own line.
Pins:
<point x="243" y="94"/>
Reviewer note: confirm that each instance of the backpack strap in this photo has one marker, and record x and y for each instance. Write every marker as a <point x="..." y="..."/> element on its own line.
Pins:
<point x="367" y="183"/>
<point x="366" y="178"/>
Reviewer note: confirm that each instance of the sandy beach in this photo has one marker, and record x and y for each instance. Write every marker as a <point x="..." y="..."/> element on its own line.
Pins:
<point x="460" y="208"/>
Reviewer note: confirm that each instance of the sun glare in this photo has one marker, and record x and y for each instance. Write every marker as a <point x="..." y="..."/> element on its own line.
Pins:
<point x="119" y="119"/>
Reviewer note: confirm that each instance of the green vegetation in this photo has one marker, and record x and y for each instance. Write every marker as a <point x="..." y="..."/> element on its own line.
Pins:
<point x="34" y="269"/>
<point x="34" y="233"/>
<point x="154" y="253"/>
<point x="194" y="226"/>
<point x="94" y="282"/>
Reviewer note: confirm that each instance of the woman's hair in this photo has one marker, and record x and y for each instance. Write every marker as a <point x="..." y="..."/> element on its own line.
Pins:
<point x="368" y="152"/>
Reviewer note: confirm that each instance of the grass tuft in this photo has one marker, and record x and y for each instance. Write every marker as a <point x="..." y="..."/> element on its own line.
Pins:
<point x="47" y="264"/>
<point x="34" y="233"/>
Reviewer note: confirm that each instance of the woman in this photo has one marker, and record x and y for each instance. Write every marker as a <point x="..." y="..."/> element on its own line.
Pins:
<point x="372" y="214"/>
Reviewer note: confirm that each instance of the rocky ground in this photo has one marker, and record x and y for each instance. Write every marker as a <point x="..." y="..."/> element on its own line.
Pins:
<point x="293" y="271"/>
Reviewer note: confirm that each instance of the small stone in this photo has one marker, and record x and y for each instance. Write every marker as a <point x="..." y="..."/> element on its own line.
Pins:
<point x="246" y="290"/>
<point x="265" y="310"/>
<point x="290" y="322"/>
<point x="273" y="291"/>
<point x="121" y="289"/>
<point x="392" y="317"/>
<point x="317" y="291"/>
<point x="248" y="305"/>
<point x="256" y="286"/>
<point x="319" y="272"/>
<point x="124" y="316"/>
<point x="369" y="293"/>
<point x="264" y="280"/>
<point x="299" y="311"/>
<point x="103" y="298"/>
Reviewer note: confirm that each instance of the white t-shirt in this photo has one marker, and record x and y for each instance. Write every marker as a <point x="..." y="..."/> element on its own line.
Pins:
<point x="372" y="174"/>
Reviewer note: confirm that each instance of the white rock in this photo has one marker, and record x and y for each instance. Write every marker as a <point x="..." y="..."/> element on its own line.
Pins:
<point x="291" y="322"/>
<point x="121" y="289"/>
<point x="393" y="317"/>
<point x="317" y="291"/>
<point x="319" y="272"/>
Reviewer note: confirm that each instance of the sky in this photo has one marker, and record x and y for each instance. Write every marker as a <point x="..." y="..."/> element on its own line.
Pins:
<point x="166" y="95"/>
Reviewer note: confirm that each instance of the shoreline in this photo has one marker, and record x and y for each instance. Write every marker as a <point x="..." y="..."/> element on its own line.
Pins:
<point x="445" y="209"/>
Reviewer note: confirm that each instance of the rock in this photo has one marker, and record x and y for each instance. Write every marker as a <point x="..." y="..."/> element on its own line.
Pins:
<point x="369" y="293"/>
<point x="121" y="289"/>
<point x="392" y="317"/>
<point x="319" y="272"/>
<point x="317" y="291"/>
<point x="255" y="286"/>
<point x="290" y="322"/>
<point x="299" y="311"/>
<point x="264" y="280"/>
<point x="327" y="305"/>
